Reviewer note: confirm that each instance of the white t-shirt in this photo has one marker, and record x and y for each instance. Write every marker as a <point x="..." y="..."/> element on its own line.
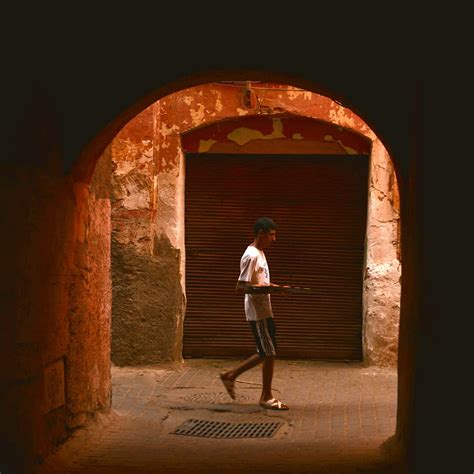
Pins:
<point x="254" y="269"/>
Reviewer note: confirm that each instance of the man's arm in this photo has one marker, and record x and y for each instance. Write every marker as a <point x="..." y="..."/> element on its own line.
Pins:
<point x="247" y="287"/>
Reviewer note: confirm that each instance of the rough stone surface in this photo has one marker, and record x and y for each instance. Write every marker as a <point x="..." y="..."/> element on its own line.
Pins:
<point x="146" y="302"/>
<point x="381" y="335"/>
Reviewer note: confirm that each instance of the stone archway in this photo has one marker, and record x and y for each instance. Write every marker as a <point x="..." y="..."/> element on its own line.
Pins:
<point x="66" y="223"/>
<point x="148" y="214"/>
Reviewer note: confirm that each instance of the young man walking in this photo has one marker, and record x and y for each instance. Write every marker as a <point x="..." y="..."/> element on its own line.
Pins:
<point x="254" y="282"/>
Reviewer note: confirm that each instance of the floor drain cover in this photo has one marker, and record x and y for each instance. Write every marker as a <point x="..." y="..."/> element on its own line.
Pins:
<point x="220" y="429"/>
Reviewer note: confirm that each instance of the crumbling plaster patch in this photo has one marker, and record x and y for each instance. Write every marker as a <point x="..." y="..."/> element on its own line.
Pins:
<point x="206" y="145"/>
<point x="129" y="155"/>
<point x="168" y="216"/>
<point x="339" y="116"/>
<point x="198" y="114"/>
<point x="243" y="135"/>
<point x="219" y="106"/>
<point x="296" y="94"/>
<point x="166" y="130"/>
<point x="347" y="149"/>
<point x="135" y="192"/>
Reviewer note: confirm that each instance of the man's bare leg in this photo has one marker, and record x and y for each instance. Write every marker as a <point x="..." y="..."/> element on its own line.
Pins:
<point x="267" y="400"/>
<point x="267" y="377"/>
<point x="251" y="362"/>
<point x="248" y="364"/>
<point x="228" y="378"/>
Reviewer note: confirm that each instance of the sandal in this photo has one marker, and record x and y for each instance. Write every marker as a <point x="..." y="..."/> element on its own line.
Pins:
<point x="229" y="386"/>
<point x="274" y="404"/>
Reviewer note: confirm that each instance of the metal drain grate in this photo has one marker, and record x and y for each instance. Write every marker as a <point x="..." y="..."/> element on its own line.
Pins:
<point x="220" y="429"/>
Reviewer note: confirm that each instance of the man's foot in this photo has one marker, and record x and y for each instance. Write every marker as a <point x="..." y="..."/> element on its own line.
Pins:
<point x="274" y="404"/>
<point x="229" y="386"/>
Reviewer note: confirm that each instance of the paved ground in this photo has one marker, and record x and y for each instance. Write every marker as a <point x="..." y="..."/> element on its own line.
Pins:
<point x="340" y="414"/>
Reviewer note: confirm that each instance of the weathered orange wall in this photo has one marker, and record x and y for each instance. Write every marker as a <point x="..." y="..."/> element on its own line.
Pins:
<point x="195" y="107"/>
<point x="148" y="188"/>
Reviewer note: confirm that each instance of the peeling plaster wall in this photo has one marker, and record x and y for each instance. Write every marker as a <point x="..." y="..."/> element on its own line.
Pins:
<point x="148" y="204"/>
<point x="147" y="297"/>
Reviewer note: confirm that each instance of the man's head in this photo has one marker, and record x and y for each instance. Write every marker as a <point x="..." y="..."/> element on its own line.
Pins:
<point x="265" y="232"/>
<point x="264" y="224"/>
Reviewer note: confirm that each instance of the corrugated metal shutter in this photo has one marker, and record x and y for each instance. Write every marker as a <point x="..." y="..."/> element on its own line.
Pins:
<point x="319" y="204"/>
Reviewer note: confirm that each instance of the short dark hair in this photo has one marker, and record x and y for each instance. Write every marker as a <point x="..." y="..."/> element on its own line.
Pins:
<point x="264" y="223"/>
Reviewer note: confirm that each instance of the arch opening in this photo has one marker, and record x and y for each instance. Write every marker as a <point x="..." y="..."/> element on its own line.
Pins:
<point x="149" y="202"/>
<point x="80" y="367"/>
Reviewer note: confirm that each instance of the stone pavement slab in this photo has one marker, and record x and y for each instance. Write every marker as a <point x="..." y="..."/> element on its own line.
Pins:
<point x="340" y="415"/>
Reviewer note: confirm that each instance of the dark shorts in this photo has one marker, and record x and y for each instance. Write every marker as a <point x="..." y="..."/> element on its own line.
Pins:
<point x="264" y="332"/>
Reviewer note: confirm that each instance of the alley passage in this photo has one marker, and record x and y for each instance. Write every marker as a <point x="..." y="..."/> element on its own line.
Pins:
<point x="340" y="414"/>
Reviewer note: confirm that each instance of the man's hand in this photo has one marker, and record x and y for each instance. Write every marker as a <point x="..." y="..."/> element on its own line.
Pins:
<point x="270" y="288"/>
<point x="280" y="289"/>
<point x="259" y="289"/>
<point x="246" y="287"/>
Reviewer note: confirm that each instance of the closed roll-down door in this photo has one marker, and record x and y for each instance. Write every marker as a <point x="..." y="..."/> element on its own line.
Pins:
<point x="319" y="204"/>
